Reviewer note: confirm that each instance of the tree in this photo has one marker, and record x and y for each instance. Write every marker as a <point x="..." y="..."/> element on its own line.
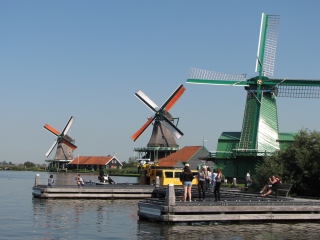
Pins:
<point x="130" y="163"/>
<point x="29" y="164"/>
<point x="298" y="164"/>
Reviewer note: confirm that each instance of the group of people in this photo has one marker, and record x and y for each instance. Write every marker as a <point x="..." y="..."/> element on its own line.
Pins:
<point x="207" y="180"/>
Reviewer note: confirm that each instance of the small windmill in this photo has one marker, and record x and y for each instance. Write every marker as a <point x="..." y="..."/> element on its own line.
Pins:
<point x="260" y="123"/>
<point x="65" y="143"/>
<point x="163" y="129"/>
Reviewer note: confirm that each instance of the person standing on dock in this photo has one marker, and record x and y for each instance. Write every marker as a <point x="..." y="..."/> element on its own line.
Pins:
<point x="213" y="176"/>
<point x="186" y="179"/>
<point x="202" y="183"/>
<point x="248" y="179"/>
<point x="50" y="180"/>
<point x="208" y="178"/>
<point x="218" y="185"/>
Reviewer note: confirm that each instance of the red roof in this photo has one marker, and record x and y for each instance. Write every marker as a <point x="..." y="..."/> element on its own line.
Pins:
<point x="183" y="155"/>
<point x="92" y="160"/>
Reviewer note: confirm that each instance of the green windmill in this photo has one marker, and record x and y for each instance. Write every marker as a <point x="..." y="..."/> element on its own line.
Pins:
<point x="260" y="134"/>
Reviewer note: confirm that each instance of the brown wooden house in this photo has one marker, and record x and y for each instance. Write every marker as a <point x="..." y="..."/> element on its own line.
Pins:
<point x="95" y="163"/>
<point x="193" y="155"/>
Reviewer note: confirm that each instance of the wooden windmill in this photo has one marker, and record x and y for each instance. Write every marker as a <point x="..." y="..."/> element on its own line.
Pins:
<point x="65" y="144"/>
<point x="164" y="130"/>
<point x="260" y="132"/>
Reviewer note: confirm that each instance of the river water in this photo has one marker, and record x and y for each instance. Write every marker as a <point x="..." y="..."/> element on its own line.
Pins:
<point x="24" y="217"/>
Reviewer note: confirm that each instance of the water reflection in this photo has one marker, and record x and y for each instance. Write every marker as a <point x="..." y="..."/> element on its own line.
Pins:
<point x="234" y="231"/>
<point x="85" y="217"/>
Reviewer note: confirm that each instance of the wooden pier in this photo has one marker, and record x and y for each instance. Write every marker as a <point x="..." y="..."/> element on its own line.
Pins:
<point x="234" y="206"/>
<point x="111" y="191"/>
<point x="93" y="191"/>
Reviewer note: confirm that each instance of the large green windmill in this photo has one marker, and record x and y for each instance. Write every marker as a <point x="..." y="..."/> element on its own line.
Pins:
<point x="260" y="132"/>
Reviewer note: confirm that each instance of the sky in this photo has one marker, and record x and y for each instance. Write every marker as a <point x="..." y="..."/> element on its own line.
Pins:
<point x="86" y="59"/>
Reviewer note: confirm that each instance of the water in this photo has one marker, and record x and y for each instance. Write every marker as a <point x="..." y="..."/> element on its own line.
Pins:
<point x="23" y="217"/>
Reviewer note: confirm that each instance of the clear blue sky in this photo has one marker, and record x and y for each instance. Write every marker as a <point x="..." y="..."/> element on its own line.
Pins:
<point x="88" y="58"/>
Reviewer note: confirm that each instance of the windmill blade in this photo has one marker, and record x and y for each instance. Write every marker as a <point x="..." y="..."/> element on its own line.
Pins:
<point x="200" y="76"/>
<point x="68" y="125"/>
<point x="267" y="44"/>
<point x="146" y="100"/>
<point x="173" y="98"/>
<point x="52" y="147"/>
<point x="52" y="130"/>
<point x="68" y="143"/>
<point x="135" y="136"/>
<point x="168" y="124"/>
<point x="297" y="88"/>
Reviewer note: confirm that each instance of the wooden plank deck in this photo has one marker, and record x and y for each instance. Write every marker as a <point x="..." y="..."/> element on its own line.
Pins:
<point x="234" y="206"/>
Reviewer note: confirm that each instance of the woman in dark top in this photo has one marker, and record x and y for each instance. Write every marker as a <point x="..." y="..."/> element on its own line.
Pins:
<point x="275" y="183"/>
<point x="202" y="183"/>
<point x="218" y="185"/>
<point x="186" y="179"/>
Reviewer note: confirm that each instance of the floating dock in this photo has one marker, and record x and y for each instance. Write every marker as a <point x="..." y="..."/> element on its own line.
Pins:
<point x="112" y="191"/>
<point x="234" y="206"/>
<point x="93" y="191"/>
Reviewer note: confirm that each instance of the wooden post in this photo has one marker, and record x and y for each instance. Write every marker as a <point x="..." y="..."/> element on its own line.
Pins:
<point x="142" y="177"/>
<point x="37" y="180"/>
<point x="157" y="181"/>
<point x="170" y="198"/>
<point x="234" y="182"/>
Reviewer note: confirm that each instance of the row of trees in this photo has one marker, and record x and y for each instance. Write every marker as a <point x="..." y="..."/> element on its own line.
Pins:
<point x="298" y="164"/>
<point x="4" y="163"/>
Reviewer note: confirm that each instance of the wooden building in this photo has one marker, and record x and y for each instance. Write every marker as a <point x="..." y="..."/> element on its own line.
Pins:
<point x="235" y="161"/>
<point x="193" y="155"/>
<point x="95" y="162"/>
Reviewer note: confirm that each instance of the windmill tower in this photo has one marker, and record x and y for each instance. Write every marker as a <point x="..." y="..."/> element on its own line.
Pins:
<point x="162" y="139"/>
<point x="65" y="148"/>
<point x="260" y="131"/>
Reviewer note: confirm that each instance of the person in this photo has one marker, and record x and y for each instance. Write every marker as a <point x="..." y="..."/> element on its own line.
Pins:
<point x="208" y="179"/>
<point x="248" y="179"/>
<point x="213" y="179"/>
<point x="186" y="179"/>
<point x="50" y="180"/>
<point x="79" y="180"/>
<point x="268" y="189"/>
<point x="201" y="183"/>
<point x="218" y="185"/>
<point x="101" y="175"/>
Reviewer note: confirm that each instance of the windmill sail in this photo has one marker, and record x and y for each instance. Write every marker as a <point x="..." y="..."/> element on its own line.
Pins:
<point x="267" y="44"/>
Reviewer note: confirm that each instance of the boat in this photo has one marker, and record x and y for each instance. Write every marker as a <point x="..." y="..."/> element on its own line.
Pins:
<point x="105" y="180"/>
<point x="149" y="171"/>
<point x="168" y="176"/>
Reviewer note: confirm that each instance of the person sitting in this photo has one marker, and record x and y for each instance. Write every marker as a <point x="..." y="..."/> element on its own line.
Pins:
<point x="79" y="180"/>
<point x="101" y="175"/>
<point x="275" y="182"/>
<point x="50" y="180"/>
